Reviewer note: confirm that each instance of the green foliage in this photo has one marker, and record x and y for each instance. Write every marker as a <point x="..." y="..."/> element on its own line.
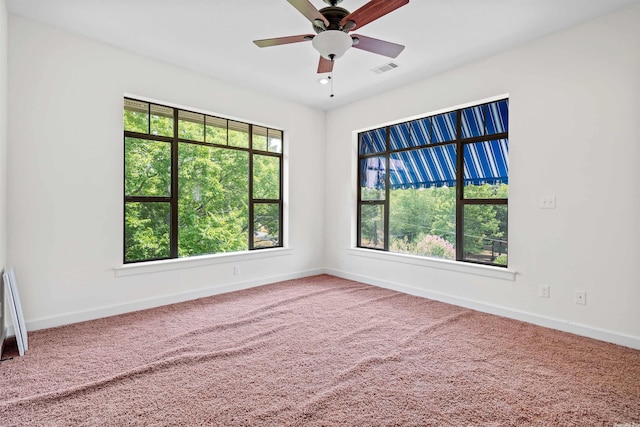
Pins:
<point x="136" y="121"/>
<point x="372" y="226"/>
<point x="191" y="130"/>
<point x="418" y="217"/>
<point x="501" y="260"/>
<point x="485" y="225"/>
<point x="371" y="193"/>
<point x="266" y="177"/>
<point x="238" y="135"/>
<point x="146" y="230"/>
<point x="212" y="200"/>
<point x="259" y="138"/>
<point x="162" y="124"/>
<point x="216" y="135"/>
<point x="147" y="168"/>
<point x="480" y="224"/>
<point x="486" y="191"/>
<point x="426" y="245"/>
<point x="414" y="213"/>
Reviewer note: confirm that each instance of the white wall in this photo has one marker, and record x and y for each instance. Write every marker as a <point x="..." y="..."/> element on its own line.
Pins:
<point x="574" y="133"/>
<point x="3" y="142"/>
<point x="66" y="170"/>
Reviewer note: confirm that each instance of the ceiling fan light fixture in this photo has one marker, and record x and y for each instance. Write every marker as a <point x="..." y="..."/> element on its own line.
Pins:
<point x="332" y="44"/>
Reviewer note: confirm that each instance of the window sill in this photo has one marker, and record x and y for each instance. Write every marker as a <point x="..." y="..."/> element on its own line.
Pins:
<point x="443" y="264"/>
<point x="198" y="261"/>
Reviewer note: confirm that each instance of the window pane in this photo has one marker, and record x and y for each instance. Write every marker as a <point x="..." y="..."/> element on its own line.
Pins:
<point x="266" y="177"/>
<point x="259" y="138"/>
<point x="212" y="200"/>
<point x="485" y="234"/>
<point x="400" y="136"/>
<point x="190" y="125"/>
<point x="424" y="168"/>
<point x="136" y="116"/>
<point x="373" y="141"/>
<point x="238" y="134"/>
<point x="486" y="169"/>
<point x="444" y="127"/>
<point x="275" y="141"/>
<point x="266" y="225"/>
<point x="422" y="214"/>
<point x="473" y="121"/>
<point x="161" y="120"/>
<point x="372" y="178"/>
<point x="486" y="191"/>
<point x="216" y="130"/>
<point x="146" y="231"/>
<point x="422" y="221"/>
<point x="498" y="117"/>
<point x="372" y="226"/>
<point x="147" y="167"/>
<point x="422" y="131"/>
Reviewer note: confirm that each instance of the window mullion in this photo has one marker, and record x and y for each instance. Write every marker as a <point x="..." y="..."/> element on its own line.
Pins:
<point x="173" y="237"/>
<point x="359" y="197"/>
<point x="387" y="185"/>
<point x="459" y="189"/>
<point x="251" y="199"/>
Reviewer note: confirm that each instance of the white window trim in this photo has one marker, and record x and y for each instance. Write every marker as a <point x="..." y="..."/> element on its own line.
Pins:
<point x="442" y="264"/>
<point x="148" y="267"/>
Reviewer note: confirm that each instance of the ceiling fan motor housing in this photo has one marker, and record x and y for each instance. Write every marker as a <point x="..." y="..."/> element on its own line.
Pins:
<point x="334" y="15"/>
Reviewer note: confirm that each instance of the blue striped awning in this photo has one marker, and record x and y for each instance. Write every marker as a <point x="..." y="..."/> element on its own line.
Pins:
<point x="422" y="166"/>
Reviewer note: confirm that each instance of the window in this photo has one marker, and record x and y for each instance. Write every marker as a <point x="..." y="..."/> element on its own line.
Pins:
<point x="197" y="184"/>
<point x="437" y="186"/>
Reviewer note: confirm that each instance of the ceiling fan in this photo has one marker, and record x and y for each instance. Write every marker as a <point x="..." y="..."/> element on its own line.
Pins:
<point x="332" y="25"/>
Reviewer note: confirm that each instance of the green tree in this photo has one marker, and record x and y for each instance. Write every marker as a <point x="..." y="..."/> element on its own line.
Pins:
<point x="484" y="223"/>
<point x="212" y="200"/>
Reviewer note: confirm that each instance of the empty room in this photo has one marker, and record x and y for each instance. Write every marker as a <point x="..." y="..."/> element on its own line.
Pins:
<point x="320" y="213"/>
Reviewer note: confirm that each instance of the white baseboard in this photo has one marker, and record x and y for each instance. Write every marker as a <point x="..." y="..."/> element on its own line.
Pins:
<point x="547" y="322"/>
<point x="97" y="313"/>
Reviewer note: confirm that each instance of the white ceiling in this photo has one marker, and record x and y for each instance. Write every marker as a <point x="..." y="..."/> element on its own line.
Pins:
<point x="215" y="37"/>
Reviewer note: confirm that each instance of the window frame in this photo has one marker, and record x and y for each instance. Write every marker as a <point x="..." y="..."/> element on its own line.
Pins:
<point x="173" y="198"/>
<point x="461" y="202"/>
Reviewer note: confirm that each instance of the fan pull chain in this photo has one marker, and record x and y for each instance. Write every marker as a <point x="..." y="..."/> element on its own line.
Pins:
<point x="331" y="74"/>
<point x="331" y="80"/>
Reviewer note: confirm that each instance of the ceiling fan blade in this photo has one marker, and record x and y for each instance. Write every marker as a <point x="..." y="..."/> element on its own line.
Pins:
<point x="283" y="40"/>
<point x="372" y="11"/>
<point x="325" y="65"/>
<point x="380" y="47"/>
<point x="307" y="9"/>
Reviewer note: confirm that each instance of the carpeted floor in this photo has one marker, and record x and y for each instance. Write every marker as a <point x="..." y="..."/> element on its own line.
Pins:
<point x="319" y="351"/>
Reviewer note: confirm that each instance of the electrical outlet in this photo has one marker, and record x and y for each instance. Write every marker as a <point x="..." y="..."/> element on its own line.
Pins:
<point x="236" y="270"/>
<point x="543" y="291"/>
<point x="581" y="297"/>
<point x="547" y="202"/>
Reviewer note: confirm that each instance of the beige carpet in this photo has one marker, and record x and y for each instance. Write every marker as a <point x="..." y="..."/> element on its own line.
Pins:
<point x="319" y="351"/>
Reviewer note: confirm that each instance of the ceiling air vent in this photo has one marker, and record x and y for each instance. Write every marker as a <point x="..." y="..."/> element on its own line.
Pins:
<point x="384" y="68"/>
